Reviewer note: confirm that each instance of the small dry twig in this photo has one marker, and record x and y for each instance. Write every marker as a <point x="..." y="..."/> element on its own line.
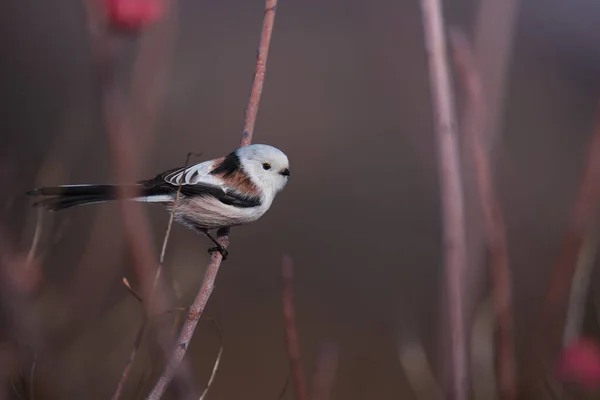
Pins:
<point x="493" y="219"/>
<point x="324" y="378"/>
<point x="36" y="236"/>
<point x="217" y="361"/>
<point x="291" y="333"/>
<point x="121" y="138"/>
<point x="454" y="239"/>
<point x="32" y="375"/>
<point x="157" y="275"/>
<point x="132" y="355"/>
<point x="416" y="367"/>
<point x="580" y="287"/>
<point x="579" y="228"/>
<point x="208" y="282"/>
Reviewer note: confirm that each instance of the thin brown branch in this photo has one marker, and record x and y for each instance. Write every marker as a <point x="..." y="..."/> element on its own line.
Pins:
<point x="130" y="360"/>
<point x="454" y="246"/>
<point x="259" y="73"/>
<point x="579" y="228"/>
<point x="580" y="287"/>
<point x="284" y="388"/>
<point x="191" y="322"/>
<point x="217" y="361"/>
<point x="291" y="333"/>
<point x="417" y="370"/>
<point x="493" y="219"/>
<point x="157" y="275"/>
<point x="163" y="250"/>
<point x="32" y="376"/>
<point x="212" y="270"/>
<point x="131" y="291"/>
<point x="122" y="140"/>
<point x="36" y="236"/>
<point x="324" y="377"/>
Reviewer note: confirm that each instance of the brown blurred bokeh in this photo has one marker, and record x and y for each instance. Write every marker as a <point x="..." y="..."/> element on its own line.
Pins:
<point x="347" y="98"/>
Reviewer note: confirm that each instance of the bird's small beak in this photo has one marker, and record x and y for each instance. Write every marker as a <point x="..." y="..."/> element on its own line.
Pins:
<point x="285" y="172"/>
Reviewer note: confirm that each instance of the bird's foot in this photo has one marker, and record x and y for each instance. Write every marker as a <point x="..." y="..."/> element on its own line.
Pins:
<point x="221" y="250"/>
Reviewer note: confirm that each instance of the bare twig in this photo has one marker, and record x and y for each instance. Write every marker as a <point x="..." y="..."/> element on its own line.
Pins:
<point x="260" y="71"/>
<point x="291" y="333"/>
<point x="324" y="378"/>
<point x="493" y="42"/>
<point x="284" y="388"/>
<point x="493" y="220"/>
<point x="454" y="246"/>
<point x="579" y="228"/>
<point x="122" y="144"/>
<point x="579" y="289"/>
<point x="208" y="282"/>
<point x="191" y="322"/>
<point x="157" y="275"/>
<point x="420" y="377"/>
<point x="163" y="251"/>
<point x="131" y="291"/>
<point x="217" y="361"/>
<point x="129" y="363"/>
<point x="36" y="236"/>
<point x="32" y="375"/>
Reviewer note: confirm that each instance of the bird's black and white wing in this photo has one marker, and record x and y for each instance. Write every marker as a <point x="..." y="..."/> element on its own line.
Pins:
<point x="196" y="181"/>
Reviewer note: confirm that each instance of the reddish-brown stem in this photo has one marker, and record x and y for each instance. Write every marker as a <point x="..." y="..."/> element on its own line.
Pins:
<point x="291" y="333"/>
<point x="259" y="72"/>
<point x="454" y="246"/>
<point x="324" y="377"/>
<point x="212" y="270"/>
<point x="129" y="363"/>
<point x="137" y="229"/>
<point x="493" y="220"/>
<point x="191" y="322"/>
<point x="124" y="145"/>
<point x="578" y="229"/>
<point x="215" y="365"/>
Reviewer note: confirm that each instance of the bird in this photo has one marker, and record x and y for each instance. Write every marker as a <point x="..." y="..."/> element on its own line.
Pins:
<point x="221" y="193"/>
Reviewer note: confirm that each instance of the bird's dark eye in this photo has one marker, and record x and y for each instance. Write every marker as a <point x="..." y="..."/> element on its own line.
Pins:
<point x="266" y="166"/>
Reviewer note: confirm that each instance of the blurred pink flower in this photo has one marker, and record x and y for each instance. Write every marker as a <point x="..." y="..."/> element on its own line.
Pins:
<point x="579" y="363"/>
<point x="133" y="15"/>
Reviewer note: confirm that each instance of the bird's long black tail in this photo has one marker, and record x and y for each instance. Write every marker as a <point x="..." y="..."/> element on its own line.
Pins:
<point x="62" y="197"/>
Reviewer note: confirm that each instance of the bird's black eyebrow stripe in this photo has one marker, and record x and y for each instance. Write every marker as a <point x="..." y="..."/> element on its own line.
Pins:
<point x="229" y="166"/>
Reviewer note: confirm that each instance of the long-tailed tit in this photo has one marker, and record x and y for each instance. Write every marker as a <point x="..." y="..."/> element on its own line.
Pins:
<point x="220" y="193"/>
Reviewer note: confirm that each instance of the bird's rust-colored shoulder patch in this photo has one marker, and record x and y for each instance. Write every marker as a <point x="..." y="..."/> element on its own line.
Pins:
<point x="241" y="182"/>
<point x="216" y="163"/>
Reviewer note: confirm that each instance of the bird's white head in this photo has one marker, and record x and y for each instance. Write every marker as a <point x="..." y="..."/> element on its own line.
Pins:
<point x="267" y="166"/>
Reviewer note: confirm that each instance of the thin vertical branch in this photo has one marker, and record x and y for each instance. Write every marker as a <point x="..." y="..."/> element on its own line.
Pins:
<point x="493" y="220"/>
<point x="212" y="270"/>
<point x="259" y="72"/>
<point x="454" y="246"/>
<point x="156" y="279"/>
<point x="324" y="377"/>
<point x="580" y="287"/>
<point x="291" y="333"/>
<point x="122" y="139"/>
<point x="216" y="364"/>
<point x="579" y="228"/>
<point x="129" y="363"/>
<point x="493" y="42"/>
<point x="418" y="372"/>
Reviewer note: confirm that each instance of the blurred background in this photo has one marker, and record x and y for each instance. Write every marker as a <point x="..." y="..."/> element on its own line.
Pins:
<point x="347" y="98"/>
